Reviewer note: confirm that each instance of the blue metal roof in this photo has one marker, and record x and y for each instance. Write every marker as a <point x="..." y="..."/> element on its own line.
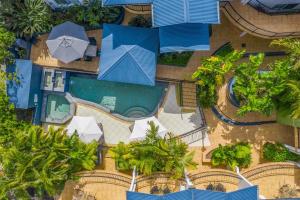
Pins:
<point x="129" y="54"/>
<point x="250" y="193"/>
<point x="28" y="79"/>
<point x="172" y="12"/>
<point x="184" y="37"/>
<point x="125" y="2"/>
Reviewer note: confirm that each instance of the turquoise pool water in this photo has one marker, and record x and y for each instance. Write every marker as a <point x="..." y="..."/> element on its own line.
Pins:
<point x="57" y="108"/>
<point x="128" y="100"/>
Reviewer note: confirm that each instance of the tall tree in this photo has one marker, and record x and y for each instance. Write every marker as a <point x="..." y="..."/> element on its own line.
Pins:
<point x="211" y="75"/>
<point x="154" y="154"/>
<point x="7" y="39"/>
<point x="42" y="162"/>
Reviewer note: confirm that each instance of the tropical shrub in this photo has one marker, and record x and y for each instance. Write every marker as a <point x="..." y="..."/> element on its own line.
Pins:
<point x="7" y="39"/>
<point x="289" y="100"/>
<point x="35" y="161"/>
<point x="91" y="16"/>
<point x="140" y="21"/>
<point x="256" y="90"/>
<point x="175" y="59"/>
<point x="278" y="153"/>
<point x="154" y="154"/>
<point x="27" y="17"/>
<point x="235" y="155"/>
<point x="42" y="162"/>
<point x="211" y="75"/>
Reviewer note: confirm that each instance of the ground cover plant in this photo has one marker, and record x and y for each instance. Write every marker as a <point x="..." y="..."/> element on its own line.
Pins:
<point x="154" y="154"/>
<point x="278" y="153"/>
<point x="175" y="59"/>
<point x="232" y="156"/>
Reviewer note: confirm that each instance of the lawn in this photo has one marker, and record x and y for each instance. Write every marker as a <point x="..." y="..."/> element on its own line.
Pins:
<point x="175" y="59"/>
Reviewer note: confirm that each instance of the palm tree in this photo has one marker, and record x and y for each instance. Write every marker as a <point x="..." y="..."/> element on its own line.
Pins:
<point x="42" y="162"/>
<point x="154" y="154"/>
<point x="27" y="17"/>
<point x="290" y="100"/>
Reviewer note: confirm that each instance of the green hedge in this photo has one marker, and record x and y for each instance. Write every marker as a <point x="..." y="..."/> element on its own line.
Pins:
<point x="234" y="155"/>
<point x="278" y="153"/>
<point x="175" y="59"/>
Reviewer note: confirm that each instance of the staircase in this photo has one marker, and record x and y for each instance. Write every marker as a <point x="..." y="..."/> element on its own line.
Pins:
<point x="188" y="95"/>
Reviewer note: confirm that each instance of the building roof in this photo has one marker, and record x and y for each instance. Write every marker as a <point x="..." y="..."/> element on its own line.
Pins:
<point x="129" y="54"/>
<point x="22" y="91"/>
<point x="125" y="2"/>
<point x="185" y="11"/>
<point x="184" y="37"/>
<point x="250" y="193"/>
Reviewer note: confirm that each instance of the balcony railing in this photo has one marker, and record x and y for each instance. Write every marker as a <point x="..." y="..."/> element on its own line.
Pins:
<point x="244" y="24"/>
<point x="270" y="11"/>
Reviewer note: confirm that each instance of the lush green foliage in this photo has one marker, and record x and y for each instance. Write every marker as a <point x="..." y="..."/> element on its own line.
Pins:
<point x="257" y="89"/>
<point x="232" y="155"/>
<point x="278" y="153"/>
<point x="211" y="75"/>
<point x="224" y="50"/>
<point x="154" y="154"/>
<point x="289" y="100"/>
<point x="27" y="17"/>
<point x="93" y="15"/>
<point x="43" y="161"/>
<point x="33" y="159"/>
<point x="140" y="21"/>
<point x="7" y="39"/>
<point x="175" y="59"/>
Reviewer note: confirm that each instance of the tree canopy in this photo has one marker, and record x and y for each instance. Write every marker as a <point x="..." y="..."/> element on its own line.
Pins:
<point x="154" y="154"/>
<point x="211" y="75"/>
<point x="7" y="39"/>
<point x="26" y="17"/>
<point x="259" y="88"/>
<point x="34" y="160"/>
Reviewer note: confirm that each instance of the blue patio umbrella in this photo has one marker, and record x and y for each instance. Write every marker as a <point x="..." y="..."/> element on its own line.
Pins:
<point x="67" y="42"/>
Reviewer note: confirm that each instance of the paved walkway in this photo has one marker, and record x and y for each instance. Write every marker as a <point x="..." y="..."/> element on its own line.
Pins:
<point x="260" y="24"/>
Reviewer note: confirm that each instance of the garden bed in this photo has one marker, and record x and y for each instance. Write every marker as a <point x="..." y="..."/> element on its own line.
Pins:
<point x="92" y="17"/>
<point x="175" y="59"/>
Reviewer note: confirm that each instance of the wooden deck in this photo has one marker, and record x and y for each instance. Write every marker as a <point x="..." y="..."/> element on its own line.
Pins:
<point x="40" y="55"/>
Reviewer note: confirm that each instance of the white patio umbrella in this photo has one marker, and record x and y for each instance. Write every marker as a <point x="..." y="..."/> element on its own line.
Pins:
<point x="67" y="42"/>
<point x="86" y="127"/>
<point x="140" y="128"/>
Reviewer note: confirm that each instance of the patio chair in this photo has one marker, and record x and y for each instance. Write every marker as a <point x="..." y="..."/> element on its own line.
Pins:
<point x="91" y="50"/>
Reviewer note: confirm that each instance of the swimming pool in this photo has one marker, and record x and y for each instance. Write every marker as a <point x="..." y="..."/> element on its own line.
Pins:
<point x="127" y="100"/>
<point x="58" y="109"/>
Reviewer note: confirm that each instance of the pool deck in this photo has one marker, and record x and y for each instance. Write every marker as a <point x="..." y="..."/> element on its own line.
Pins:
<point x="170" y="116"/>
<point x="40" y="55"/>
